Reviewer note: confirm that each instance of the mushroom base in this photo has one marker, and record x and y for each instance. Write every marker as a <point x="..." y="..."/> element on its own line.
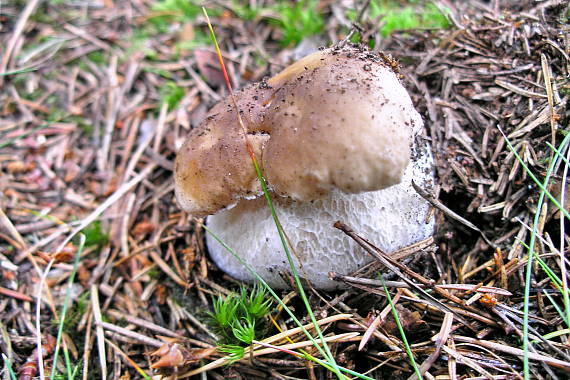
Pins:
<point x="391" y="218"/>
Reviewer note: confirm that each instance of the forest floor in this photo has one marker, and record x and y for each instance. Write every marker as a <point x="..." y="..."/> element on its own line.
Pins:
<point x="96" y="97"/>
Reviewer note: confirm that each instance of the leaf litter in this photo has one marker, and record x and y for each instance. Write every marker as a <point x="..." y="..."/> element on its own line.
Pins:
<point x="95" y="101"/>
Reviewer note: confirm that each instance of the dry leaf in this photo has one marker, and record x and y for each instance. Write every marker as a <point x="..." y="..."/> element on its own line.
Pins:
<point x="174" y="355"/>
<point x="410" y="321"/>
<point x="143" y="228"/>
<point x="66" y="255"/>
<point x="209" y="67"/>
<point x="17" y="167"/>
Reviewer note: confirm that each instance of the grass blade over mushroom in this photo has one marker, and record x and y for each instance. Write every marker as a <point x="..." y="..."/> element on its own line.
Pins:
<point x="324" y="350"/>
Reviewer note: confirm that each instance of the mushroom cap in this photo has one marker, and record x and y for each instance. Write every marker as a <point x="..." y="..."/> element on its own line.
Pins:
<point x="336" y="119"/>
<point x="391" y="218"/>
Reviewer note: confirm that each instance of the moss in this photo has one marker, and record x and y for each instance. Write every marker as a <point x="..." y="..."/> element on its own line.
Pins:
<point x="171" y="94"/>
<point x="395" y="17"/>
<point x="166" y="12"/>
<point x="298" y="21"/>
<point x="94" y="234"/>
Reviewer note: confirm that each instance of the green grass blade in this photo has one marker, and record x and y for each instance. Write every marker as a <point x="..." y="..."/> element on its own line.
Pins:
<point x="564" y="285"/>
<point x="558" y="153"/>
<point x="542" y="186"/>
<point x="557" y="308"/>
<point x="402" y="333"/>
<point x="531" y="253"/>
<point x="555" y="334"/>
<point x="343" y="369"/>
<point x="20" y="71"/>
<point x="557" y="284"/>
<point x="553" y="277"/>
<point x="8" y="365"/>
<point x="549" y="272"/>
<point x="64" y="312"/>
<point x="12" y="140"/>
<point x="8" y="355"/>
<point x="300" y="289"/>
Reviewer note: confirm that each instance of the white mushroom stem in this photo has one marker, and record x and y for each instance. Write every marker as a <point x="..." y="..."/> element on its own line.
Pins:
<point x="391" y="218"/>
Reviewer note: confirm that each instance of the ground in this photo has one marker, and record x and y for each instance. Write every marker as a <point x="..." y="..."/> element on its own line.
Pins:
<point x="98" y="95"/>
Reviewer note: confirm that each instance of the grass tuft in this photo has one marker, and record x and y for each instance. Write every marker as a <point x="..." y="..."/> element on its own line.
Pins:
<point x="171" y="94"/>
<point x="94" y="234"/>
<point x="240" y="317"/>
<point x="244" y="330"/>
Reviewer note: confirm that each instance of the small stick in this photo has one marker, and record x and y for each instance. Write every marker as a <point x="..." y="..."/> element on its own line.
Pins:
<point x="467" y="361"/>
<point x="398" y="269"/>
<point x="355" y="25"/>
<point x="264" y="351"/>
<point x="401" y="284"/>
<point x="15" y="294"/>
<point x="131" y="334"/>
<point x="146" y="324"/>
<point x="130" y="361"/>
<point x="561" y="364"/>
<point x="9" y="226"/>
<point x="440" y="340"/>
<point x="167" y="270"/>
<point x="99" y="330"/>
<point x="547" y="75"/>
<point x="437" y="204"/>
<point x="18" y="29"/>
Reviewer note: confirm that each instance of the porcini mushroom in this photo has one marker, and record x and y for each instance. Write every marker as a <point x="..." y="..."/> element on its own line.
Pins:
<point x="334" y="134"/>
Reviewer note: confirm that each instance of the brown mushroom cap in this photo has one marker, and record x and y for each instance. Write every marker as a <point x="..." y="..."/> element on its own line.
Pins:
<point x="338" y="118"/>
<point x="213" y="168"/>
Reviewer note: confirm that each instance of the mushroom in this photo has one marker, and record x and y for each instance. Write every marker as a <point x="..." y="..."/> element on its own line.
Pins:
<point x="337" y="138"/>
